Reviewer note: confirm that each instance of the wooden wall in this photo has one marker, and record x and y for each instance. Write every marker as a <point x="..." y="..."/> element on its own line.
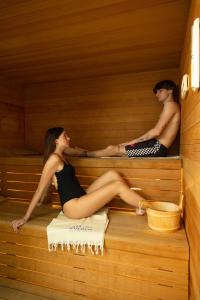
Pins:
<point x="11" y="117"/>
<point x="97" y="111"/>
<point x="190" y="149"/>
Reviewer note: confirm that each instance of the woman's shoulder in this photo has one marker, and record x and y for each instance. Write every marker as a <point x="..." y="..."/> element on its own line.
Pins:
<point x="56" y="156"/>
<point x="53" y="160"/>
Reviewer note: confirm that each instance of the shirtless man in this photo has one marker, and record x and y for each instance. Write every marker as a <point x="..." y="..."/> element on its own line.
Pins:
<point x="156" y="141"/>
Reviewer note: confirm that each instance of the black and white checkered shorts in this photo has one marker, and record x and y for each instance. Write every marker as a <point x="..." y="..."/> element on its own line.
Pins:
<point x="151" y="148"/>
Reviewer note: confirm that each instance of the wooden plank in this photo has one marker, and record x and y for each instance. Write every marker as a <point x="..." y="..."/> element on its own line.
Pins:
<point x="23" y="177"/>
<point x="114" y="162"/>
<point x="10" y="294"/>
<point x="106" y="293"/>
<point x="132" y="173"/>
<point x="127" y="284"/>
<point x="152" y="275"/>
<point x="22" y="168"/>
<point x="21" y="186"/>
<point x="39" y="290"/>
<point x="11" y="244"/>
<point x="50" y="281"/>
<point x="170" y="185"/>
<point x="40" y="266"/>
<point x="167" y="163"/>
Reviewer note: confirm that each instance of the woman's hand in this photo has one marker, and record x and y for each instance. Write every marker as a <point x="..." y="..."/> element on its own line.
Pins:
<point x="17" y="223"/>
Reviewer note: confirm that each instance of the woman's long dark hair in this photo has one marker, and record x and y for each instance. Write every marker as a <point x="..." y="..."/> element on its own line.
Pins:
<point x="49" y="141"/>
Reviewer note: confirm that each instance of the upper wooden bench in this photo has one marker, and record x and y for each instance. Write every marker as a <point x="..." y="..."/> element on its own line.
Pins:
<point x="154" y="178"/>
<point x="138" y="263"/>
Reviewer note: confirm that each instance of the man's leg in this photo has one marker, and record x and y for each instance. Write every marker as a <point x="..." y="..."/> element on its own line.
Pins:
<point x="112" y="150"/>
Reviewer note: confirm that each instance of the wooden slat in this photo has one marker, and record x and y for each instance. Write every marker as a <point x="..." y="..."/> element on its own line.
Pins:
<point x="166" y="163"/>
<point x="165" y="277"/>
<point x="37" y="278"/>
<point x="127" y="284"/>
<point x="132" y="173"/>
<point x="162" y="270"/>
<point x="38" y="290"/>
<point x="144" y="292"/>
<point x="23" y="177"/>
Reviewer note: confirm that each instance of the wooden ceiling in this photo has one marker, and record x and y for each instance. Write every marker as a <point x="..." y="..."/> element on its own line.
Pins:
<point x="48" y="40"/>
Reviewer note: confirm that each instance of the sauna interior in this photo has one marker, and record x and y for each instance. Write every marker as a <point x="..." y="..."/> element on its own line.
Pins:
<point x="90" y="66"/>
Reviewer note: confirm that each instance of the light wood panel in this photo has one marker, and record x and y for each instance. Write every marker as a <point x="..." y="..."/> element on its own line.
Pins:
<point x="35" y="291"/>
<point x="10" y="293"/>
<point x="156" y="179"/>
<point x="190" y="149"/>
<point x="96" y="112"/>
<point x="11" y="117"/>
<point x="129" y="267"/>
<point x="77" y="39"/>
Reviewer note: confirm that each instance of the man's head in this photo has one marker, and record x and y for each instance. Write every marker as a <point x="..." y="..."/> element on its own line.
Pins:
<point x="168" y="85"/>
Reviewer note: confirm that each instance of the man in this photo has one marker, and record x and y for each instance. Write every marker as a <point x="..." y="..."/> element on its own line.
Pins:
<point x="156" y="141"/>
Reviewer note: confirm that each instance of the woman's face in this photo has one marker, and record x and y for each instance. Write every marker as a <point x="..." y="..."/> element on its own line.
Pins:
<point x="63" y="139"/>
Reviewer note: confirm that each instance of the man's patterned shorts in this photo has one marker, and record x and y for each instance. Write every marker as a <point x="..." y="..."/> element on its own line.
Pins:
<point x="151" y="148"/>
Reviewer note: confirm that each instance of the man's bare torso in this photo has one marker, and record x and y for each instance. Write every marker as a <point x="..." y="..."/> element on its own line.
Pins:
<point x="170" y="131"/>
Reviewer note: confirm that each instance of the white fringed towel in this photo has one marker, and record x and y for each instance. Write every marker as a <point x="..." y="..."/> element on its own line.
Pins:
<point x="78" y="234"/>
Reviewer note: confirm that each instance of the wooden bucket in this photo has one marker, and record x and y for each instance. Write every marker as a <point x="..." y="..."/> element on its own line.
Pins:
<point x="164" y="216"/>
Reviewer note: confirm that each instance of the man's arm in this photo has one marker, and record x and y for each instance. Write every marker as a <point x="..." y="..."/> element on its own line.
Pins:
<point x="167" y="113"/>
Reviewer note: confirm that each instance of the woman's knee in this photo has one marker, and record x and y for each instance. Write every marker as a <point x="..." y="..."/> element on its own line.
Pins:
<point x="119" y="186"/>
<point x="114" y="175"/>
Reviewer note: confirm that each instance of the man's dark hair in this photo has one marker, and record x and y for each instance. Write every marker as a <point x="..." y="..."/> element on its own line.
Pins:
<point x="168" y="85"/>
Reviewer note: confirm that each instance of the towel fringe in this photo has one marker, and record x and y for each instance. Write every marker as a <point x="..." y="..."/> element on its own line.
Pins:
<point x="94" y="248"/>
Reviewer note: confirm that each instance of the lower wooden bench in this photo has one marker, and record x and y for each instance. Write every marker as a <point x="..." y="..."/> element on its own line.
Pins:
<point x="138" y="263"/>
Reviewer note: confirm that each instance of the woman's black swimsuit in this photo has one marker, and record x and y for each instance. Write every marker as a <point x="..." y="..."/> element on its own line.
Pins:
<point x="68" y="184"/>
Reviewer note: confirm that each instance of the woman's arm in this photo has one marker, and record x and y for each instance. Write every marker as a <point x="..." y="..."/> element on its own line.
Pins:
<point x="75" y="151"/>
<point x="48" y="171"/>
<point x="44" y="194"/>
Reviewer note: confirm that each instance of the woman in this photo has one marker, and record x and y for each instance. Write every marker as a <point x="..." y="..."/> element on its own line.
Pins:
<point x="76" y="203"/>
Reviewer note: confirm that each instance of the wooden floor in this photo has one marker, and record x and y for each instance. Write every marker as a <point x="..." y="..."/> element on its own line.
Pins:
<point x="7" y="293"/>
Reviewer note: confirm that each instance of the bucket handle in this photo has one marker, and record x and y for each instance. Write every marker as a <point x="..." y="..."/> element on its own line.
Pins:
<point x="180" y="205"/>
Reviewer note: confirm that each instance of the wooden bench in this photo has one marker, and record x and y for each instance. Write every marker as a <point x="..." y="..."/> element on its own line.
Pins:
<point x="154" y="178"/>
<point x="138" y="263"/>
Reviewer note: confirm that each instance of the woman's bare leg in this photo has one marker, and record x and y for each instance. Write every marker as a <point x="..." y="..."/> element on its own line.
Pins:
<point x="105" y="178"/>
<point x="112" y="150"/>
<point x="90" y="203"/>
